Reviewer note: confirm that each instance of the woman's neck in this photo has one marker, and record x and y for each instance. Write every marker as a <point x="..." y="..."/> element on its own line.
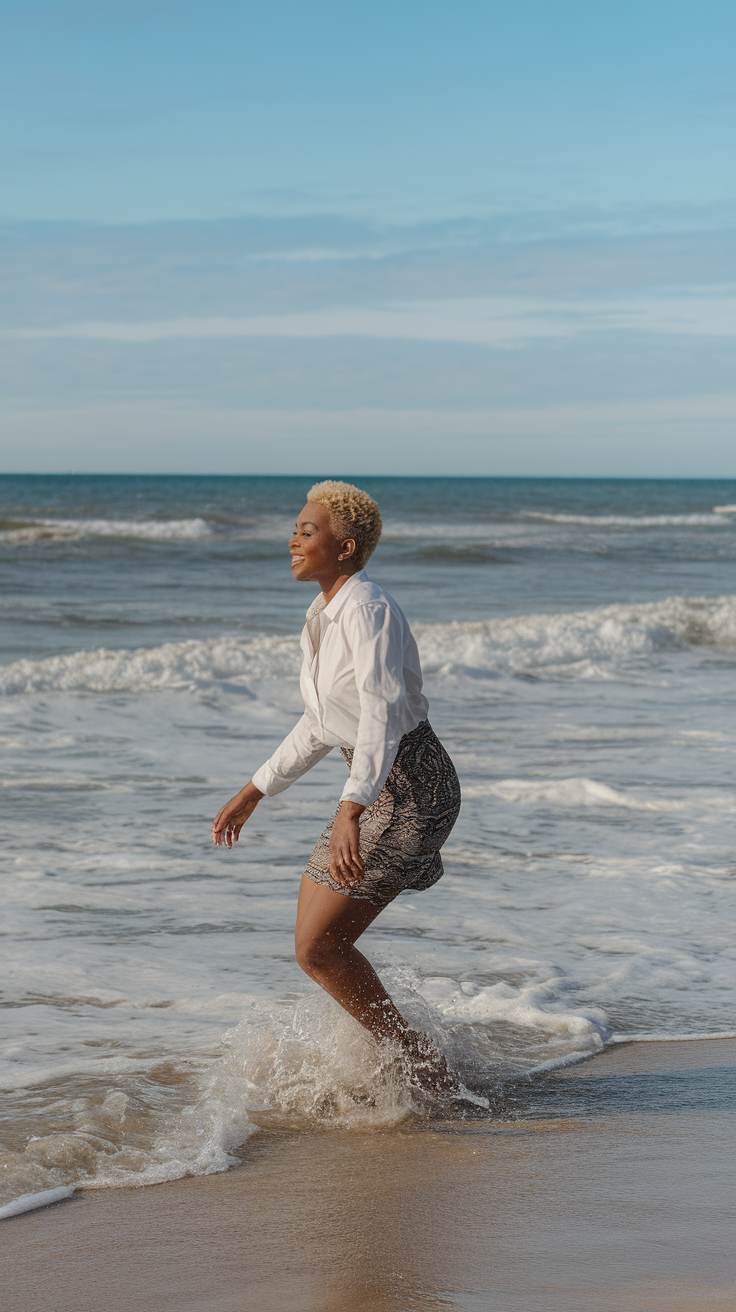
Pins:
<point x="330" y="588"/>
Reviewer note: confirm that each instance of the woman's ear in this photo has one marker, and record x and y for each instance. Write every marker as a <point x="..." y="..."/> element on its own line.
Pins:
<point x="347" y="549"/>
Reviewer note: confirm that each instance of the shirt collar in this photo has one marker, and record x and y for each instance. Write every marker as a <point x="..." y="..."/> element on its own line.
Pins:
<point x="332" y="610"/>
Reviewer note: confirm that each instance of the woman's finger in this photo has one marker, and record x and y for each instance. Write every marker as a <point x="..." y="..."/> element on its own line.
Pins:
<point x="349" y="874"/>
<point x="337" y="871"/>
<point x="352" y="860"/>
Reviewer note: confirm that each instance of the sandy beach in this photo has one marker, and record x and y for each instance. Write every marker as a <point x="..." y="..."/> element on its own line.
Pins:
<point x="608" y="1189"/>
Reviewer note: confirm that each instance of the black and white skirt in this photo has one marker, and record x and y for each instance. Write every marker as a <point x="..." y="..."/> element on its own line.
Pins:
<point x="402" y="832"/>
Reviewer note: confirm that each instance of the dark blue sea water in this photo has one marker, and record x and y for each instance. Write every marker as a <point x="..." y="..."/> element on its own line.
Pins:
<point x="125" y="561"/>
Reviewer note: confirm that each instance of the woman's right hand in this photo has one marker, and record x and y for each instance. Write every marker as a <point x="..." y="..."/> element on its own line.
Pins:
<point x="231" y="817"/>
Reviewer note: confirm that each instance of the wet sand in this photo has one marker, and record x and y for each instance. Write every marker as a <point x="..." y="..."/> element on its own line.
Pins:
<point x="611" y="1189"/>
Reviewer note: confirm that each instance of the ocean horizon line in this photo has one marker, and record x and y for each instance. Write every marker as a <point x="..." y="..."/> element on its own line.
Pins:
<point x="404" y="478"/>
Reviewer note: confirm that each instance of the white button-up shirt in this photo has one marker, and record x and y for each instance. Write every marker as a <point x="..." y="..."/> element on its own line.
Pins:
<point x="361" y="681"/>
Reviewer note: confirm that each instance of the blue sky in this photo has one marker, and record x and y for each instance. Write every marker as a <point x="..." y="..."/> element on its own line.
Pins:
<point x="472" y="238"/>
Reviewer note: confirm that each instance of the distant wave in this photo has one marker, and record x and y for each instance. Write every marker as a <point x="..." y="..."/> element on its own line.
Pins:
<point x="634" y="521"/>
<point x="61" y="530"/>
<point x="517" y="530"/>
<point x="578" y="644"/>
<point x="397" y="530"/>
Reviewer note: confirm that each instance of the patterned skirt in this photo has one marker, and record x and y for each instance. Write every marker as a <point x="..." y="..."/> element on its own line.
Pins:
<point x="402" y="832"/>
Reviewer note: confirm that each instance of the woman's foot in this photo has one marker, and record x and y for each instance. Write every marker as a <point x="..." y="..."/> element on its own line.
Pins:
<point x="426" y="1065"/>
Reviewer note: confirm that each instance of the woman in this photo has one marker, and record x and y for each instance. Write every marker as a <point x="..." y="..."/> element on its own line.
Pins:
<point x="362" y="686"/>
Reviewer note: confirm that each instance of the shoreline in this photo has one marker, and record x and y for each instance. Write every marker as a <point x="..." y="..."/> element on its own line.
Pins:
<point x="610" y="1190"/>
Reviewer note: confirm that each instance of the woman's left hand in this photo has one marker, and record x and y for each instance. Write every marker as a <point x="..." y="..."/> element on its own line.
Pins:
<point x="346" y="863"/>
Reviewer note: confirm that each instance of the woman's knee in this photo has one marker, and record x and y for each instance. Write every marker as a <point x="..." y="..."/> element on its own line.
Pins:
<point x="315" y="954"/>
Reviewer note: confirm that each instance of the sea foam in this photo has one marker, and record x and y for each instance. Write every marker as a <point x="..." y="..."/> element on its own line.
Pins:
<point x="578" y="643"/>
<point x="295" y="1065"/>
<point x="573" y="793"/>
<point x="634" y="521"/>
<point x="177" y="665"/>
<point x="62" y="530"/>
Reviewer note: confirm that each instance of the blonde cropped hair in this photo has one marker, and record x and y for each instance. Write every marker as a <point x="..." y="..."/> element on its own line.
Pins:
<point x="353" y="514"/>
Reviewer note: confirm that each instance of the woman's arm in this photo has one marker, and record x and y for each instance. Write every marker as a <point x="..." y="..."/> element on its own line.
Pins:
<point x="299" y="751"/>
<point x="377" y="641"/>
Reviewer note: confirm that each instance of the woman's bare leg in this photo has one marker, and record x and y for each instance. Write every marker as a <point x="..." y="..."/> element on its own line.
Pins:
<point x="327" y="926"/>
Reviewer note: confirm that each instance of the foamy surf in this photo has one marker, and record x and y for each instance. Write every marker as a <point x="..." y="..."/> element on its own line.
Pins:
<point x="299" y="1065"/>
<point x="580" y="644"/>
<point x="174" y="665"/>
<point x="566" y="792"/>
<point x="632" y="521"/>
<point x="72" y="530"/>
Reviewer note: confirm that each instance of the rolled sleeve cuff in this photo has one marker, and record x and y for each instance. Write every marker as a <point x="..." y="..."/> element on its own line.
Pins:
<point x="268" y="782"/>
<point x="353" y="793"/>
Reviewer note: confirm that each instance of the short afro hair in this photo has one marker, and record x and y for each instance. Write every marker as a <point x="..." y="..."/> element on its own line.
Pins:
<point x="353" y="514"/>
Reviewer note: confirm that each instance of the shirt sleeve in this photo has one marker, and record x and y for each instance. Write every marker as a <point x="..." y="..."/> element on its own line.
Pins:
<point x="299" y="751"/>
<point x="377" y="635"/>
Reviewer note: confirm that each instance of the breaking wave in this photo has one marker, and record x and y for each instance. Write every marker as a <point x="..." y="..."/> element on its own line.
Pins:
<point x="636" y="521"/>
<point x="174" y="665"/>
<point x="70" y="530"/>
<point x="579" y="644"/>
<point x="564" y="792"/>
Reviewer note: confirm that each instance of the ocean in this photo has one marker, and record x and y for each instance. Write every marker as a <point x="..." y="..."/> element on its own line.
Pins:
<point x="578" y="639"/>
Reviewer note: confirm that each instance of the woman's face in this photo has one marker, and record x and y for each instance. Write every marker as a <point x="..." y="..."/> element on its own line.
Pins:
<point x="314" y="548"/>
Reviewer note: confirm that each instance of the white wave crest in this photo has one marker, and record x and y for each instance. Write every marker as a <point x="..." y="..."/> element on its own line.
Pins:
<point x="564" y="792"/>
<point x="631" y="521"/>
<point x="64" y="530"/>
<point x="536" y="1005"/>
<point x="574" y="642"/>
<point x="578" y="644"/>
<point x="174" y="665"/>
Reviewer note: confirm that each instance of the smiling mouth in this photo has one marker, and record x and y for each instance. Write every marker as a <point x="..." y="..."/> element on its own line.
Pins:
<point x="297" y="560"/>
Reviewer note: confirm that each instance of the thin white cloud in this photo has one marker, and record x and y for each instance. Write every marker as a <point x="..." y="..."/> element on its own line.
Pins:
<point x="486" y="321"/>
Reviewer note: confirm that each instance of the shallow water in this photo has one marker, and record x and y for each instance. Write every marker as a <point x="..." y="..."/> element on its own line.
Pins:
<point x="610" y="1190"/>
<point x="579" y="645"/>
